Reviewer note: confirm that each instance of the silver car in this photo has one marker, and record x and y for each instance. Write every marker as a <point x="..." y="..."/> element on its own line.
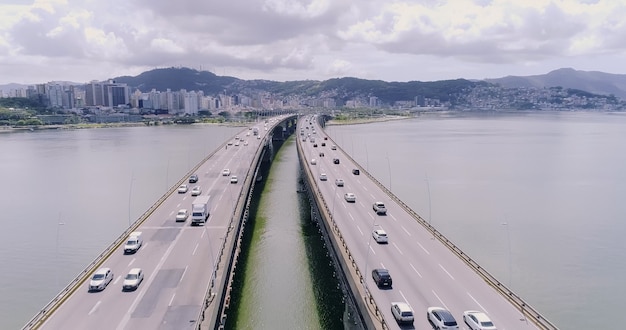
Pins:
<point x="182" y="215"/>
<point x="100" y="279"/>
<point x="132" y="279"/>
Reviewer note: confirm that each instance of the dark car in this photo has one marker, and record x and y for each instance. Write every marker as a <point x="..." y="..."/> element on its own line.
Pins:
<point x="336" y="160"/>
<point x="382" y="278"/>
<point x="323" y="144"/>
<point x="315" y="145"/>
<point x="193" y="178"/>
<point x="321" y="154"/>
<point x="356" y="171"/>
<point x="326" y="138"/>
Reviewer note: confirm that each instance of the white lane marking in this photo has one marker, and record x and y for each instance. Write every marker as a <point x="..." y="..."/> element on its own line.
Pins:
<point x="351" y="217"/>
<point x="423" y="248"/>
<point x="172" y="299"/>
<point x="117" y="280"/>
<point x="182" y="276"/>
<point x="344" y="205"/>
<point x="403" y="297"/>
<point x="185" y="197"/>
<point x="171" y="213"/>
<point x="177" y="206"/>
<point x="126" y="318"/>
<point x="359" y="228"/>
<point x="373" y="197"/>
<point x="477" y="303"/>
<point x="372" y="249"/>
<point x="446" y="271"/>
<point x="365" y="188"/>
<point x="397" y="248"/>
<point x="371" y="216"/>
<point x="203" y="232"/>
<point x="132" y="261"/>
<point x="94" y="308"/>
<point x="441" y="301"/>
<point x="362" y="205"/>
<point x="415" y="270"/>
<point x="406" y="231"/>
<point x="194" y="249"/>
<point x="394" y="218"/>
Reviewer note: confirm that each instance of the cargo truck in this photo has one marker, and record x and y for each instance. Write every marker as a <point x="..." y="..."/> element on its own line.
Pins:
<point x="255" y="131"/>
<point x="200" y="210"/>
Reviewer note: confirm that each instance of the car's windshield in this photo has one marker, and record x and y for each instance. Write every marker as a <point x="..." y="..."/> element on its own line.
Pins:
<point x="131" y="276"/>
<point x="98" y="277"/>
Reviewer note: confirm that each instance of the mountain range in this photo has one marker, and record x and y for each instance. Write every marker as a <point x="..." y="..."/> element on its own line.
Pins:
<point x="345" y="88"/>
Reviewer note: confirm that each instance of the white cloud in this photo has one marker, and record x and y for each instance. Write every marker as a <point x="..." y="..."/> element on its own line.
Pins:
<point x="315" y="39"/>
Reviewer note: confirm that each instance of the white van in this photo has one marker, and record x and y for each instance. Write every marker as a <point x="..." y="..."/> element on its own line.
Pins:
<point x="133" y="243"/>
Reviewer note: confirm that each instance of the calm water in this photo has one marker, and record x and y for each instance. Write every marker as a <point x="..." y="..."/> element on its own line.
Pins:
<point x="556" y="180"/>
<point x="537" y="199"/>
<point x="286" y="280"/>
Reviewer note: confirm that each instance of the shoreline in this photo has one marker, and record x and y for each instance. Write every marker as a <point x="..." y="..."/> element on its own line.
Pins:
<point x="360" y="121"/>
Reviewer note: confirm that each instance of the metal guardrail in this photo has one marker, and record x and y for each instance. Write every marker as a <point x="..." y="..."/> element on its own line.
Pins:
<point x="40" y="318"/>
<point x="369" y="299"/>
<point x="527" y="310"/>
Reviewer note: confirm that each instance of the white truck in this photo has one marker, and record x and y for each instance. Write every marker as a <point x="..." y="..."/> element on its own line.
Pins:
<point x="200" y="210"/>
<point x="133" y="243"/>
<point x="255" y="131"/>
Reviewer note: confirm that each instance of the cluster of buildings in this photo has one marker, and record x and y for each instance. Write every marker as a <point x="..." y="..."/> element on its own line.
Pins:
<point x="106" y="98"/>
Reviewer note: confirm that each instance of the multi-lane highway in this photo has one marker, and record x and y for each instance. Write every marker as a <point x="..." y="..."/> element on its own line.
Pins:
<point x="424" y="271"/>
<point x="176" y="258"/>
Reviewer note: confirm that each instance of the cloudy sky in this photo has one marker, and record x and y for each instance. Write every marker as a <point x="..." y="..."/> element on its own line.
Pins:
<point x="392" y="40"/>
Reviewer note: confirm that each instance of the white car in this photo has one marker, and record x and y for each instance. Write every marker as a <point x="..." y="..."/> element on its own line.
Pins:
<point x="441" y="318"/>
<point x="313" y="161"/>
<point x="197" y="190"/>
<point x="323" y="177"/>
<point x="183" y="189"/>
<point x="132" y="279"/>
<point x="233" y="179"/>
<point x="237" y="144"/>
<point x="402" y="312"/>
<point x="349" y="197"/>
<point x="476" y="320"/>
<point x="182" y="215"/>
<point x="226" y="172"/>
<point x="339" y="182"/>
<point x="379" y="208"/>
<point x="100" y="279"/>
<point x="380" y="236"/>
<point x="245" y="143"/>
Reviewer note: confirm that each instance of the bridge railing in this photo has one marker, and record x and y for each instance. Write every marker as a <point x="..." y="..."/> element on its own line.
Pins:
<point x="526" y="309"/>
<point x="40" y="318"/>
<point x="369" y="301"/>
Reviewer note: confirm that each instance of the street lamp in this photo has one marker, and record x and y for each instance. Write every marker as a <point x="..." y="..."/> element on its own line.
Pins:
<point x="506" y="224"/>
<point x="56" y="255"/>
<point x="130" y="191"/>
<point x="429" y="207"/>
<point x="389" y="168"/>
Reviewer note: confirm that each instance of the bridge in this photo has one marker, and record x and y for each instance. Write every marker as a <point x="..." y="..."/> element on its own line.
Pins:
<point x="189" y="269"/>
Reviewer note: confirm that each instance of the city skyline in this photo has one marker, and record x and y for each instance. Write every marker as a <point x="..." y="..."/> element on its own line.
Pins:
<point x="69" y="40"/>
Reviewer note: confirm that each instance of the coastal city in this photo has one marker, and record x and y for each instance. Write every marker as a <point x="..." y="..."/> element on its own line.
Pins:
<point x="111" y="101"/>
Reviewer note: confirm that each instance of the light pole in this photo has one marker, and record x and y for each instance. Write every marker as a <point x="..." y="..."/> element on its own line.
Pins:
<point x="167" y="174"/>
<point x="429" y="207"/>
<point x="389" y="168"/>
<point x="130" y="191"/>
<point x="56" y="254"/>
<point x="367" y="256"/>
<point x="506" y="225"/>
